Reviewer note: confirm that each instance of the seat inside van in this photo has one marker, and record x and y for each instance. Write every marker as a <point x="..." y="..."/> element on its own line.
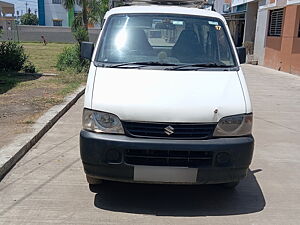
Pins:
<point x="187" y="46"/>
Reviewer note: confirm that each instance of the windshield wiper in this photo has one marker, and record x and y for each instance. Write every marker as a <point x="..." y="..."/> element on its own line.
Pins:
<point x="141" y="64"/>
<point x="201" y="66"/>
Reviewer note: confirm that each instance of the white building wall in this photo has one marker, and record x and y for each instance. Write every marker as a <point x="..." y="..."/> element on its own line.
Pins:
<point x="291" y="2"/>
<point x="219" y="6"/>
<point x="240" y="2"/>
<point x="261" y="34"/>
<point x="55" y="12"/>
<point x="77" y="8"/>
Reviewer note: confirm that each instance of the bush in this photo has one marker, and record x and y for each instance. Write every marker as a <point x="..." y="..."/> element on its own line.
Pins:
<point x="29" y="67"/>
<point x="80" y="34"/>
<point x="29" y="19"/>
<point x="70" y="59"/>
<point x="12" y="56"/>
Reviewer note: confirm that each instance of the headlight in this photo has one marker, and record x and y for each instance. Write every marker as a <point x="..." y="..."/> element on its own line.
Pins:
<point x="239" y="125"/>
<point x="101" y="122"/>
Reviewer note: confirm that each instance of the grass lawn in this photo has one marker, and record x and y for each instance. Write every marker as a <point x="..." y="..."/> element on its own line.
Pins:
<point x="44" y="57"/>
<point x="25" y="97"/>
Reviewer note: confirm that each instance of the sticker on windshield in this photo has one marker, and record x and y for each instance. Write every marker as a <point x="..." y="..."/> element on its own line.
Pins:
<point x="218" y="27"/>
<point x="179" y="23"/>
<point x="215" y="23"/>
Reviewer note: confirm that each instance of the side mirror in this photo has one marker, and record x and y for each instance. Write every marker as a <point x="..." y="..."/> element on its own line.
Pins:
<point x="86" y="50"/>
<point x="242" y="54"/>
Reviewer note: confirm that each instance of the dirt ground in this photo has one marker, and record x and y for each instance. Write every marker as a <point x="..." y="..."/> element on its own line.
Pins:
<point x="19" y="108"/>
<point x="25" y="97"/>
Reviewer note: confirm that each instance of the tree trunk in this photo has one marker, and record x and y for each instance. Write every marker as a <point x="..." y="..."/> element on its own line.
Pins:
<point x="84" y="14"/>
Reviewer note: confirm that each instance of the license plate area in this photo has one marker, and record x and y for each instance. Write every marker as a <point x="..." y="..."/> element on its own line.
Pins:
<point x="165" y="174"/>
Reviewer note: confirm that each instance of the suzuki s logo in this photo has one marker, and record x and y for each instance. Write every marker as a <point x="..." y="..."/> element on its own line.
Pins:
<point x="169" y="130"/>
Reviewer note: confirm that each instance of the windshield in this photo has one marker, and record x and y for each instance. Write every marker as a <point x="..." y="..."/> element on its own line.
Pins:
<point x="165" y="40"/>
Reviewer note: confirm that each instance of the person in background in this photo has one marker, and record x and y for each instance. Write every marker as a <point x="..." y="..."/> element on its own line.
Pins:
<point x="44" y="40"/>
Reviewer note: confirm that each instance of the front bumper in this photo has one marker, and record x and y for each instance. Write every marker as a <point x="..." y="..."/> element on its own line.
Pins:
<point x="116" y="157"/>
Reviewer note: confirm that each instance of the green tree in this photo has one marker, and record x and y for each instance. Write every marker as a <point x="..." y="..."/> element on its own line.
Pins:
<point x="97" y="10"/>
<point x="69" y="4"/>
<point x="29" y="19"/>
<point x="93" y="11"/>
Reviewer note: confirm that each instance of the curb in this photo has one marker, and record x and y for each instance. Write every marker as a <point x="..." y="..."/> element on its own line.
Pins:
<point x="12" y="153"/>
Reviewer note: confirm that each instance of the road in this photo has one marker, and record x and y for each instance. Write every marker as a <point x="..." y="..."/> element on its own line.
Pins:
<point x="48" y="185"/>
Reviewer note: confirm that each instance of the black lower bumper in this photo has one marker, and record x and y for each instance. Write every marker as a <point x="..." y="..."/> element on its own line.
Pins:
<point x="115" y="157"/>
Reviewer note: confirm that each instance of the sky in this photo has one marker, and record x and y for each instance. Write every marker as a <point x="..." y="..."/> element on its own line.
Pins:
<point x="20" y="5"/>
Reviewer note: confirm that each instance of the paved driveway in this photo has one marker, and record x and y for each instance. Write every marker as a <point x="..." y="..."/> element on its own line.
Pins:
<point x="48" y="184"/>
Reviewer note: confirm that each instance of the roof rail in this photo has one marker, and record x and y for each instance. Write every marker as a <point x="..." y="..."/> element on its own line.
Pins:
<point x="186" y="3"/>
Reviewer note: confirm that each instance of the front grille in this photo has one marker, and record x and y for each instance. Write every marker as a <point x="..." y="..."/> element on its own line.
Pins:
<point x="162" y="130"/>
<point x="192" y="159"/>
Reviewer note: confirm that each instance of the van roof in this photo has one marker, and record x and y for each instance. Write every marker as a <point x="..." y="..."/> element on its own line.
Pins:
<point x="164" y="10"/>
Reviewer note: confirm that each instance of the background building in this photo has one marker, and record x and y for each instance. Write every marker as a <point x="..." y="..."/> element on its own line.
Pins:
<point x="241" y="18"/>
<point x="7" y="11"/>
<point x="278" y="35"/>
<point x="269" y="29"/>
<point x="7" y="17"/>
<point x="53" y="13"/>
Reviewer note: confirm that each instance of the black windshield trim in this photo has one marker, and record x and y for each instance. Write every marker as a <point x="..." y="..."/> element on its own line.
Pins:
<point x="133" y="64"/>
<point x="146" y="63"/>
<point x="201" y="66"/>
<point x="161" y="67"/>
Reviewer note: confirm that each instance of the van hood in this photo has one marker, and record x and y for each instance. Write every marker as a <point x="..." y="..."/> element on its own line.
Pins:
<point x="168" y="96"/>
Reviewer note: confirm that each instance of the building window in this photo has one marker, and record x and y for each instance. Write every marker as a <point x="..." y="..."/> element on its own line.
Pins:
<point x="56" y="1"/>
<point x="57" y="23"/>
<point x="276" y="22"/>
<point x="299" y="30"/>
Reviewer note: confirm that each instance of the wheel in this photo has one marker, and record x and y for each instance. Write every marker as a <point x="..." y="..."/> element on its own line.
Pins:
<point x="230" y="185"/>
<point x="92" y="180"/>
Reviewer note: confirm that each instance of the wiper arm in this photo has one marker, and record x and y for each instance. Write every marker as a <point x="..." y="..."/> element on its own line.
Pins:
<point x="201" y="66"/>
<point x="142" y="64"/>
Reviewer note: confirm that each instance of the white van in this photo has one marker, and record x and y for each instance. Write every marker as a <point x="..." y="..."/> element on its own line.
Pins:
<point x="166" y="100"/>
